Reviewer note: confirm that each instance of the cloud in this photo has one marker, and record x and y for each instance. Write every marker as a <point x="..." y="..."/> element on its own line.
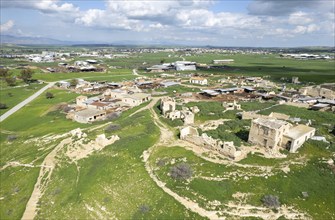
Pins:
<point x="5" y="27"/>
<point x="278" y="7"/>
<point x="299" y="18"/>
<point x="45" y="6"/>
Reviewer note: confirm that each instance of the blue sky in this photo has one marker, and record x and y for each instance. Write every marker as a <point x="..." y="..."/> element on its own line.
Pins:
<point x="288" y="23"/>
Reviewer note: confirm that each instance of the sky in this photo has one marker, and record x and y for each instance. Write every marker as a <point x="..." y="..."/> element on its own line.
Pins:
<point x="255" y="23"/>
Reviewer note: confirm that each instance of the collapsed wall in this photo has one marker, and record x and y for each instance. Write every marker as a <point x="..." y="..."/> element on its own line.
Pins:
<point x="226" y="148"/>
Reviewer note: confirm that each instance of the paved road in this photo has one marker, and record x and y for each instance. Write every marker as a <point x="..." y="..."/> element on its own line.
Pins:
<point x="25" y="102"/>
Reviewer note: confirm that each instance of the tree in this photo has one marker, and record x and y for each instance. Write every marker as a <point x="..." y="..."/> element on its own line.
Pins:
<point x="271" y="201"/>
<point x="162" y="61"/>
<point x="11" y="81"/>
<point x="181" y="171"/>
<point x="26" y="75"/>
<point x="74" y="82"/>
<point x="49" y="95"/>
<point x="4" y="73"/>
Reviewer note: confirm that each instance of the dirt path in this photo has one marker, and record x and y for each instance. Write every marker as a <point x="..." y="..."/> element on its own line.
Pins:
<point x="237" y="209"/>
<point x="167" y="138"/>
<point x="151" y="105"/>
<point x="48" y="166"/>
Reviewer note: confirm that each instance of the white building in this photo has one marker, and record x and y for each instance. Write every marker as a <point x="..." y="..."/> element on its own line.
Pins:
<point x="198" y="80"/>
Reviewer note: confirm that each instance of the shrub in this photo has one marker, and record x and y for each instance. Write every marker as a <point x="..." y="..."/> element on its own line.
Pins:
<point x="49" y="95"/>
<point x="113" y="116"/>
<point x="112" y="128"/>
<point x="66" y="109"/>
<point x="144" y="208"/>
<point x="11" y="137"/>
<point x="271" y="201"/>
<point x="11" y="81"/>
<point x="181" y="171"/>
<point x="161" y="162"/>
<point x="3" y="106"/>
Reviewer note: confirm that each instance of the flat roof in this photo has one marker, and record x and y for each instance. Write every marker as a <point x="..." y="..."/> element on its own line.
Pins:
<point x="299" y="131"/>
<point x="227" y="89"/>
<point x="210" y="92"/>
<point x="138" y="95"/>
<point x="270" y="123"/>
<point x="89" y="113"/>
<point x="100" y="104"/>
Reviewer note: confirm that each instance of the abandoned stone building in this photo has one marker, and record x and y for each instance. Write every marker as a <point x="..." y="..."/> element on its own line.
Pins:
<point x="231" y="105"/>
<point x="168" y="108"/>
<point x="185" y="115"/>
<point x="226" y="148"/>
<point x="274" y="134"/>
<point x="168" y="104"/>
<point x="318" y="91"/>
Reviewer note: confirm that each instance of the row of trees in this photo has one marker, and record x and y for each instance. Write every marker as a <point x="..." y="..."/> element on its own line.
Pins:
<point x="25" y="74"/>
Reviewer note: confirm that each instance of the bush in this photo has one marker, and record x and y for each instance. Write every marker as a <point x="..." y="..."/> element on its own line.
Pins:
<point x="112" y="128"/>
<point x="11" y="137"/>
<point x="161" y="162"/>
<point x="11" y="81"/>
<point x="181" y="171"/>
<point x="49" y="95"/>
<point x="113" y="116"/>
<point x="271" y="201"/>
<point x="144" y="208"/>
<point x="3" y="106"/>
<point x="66" y="109"/>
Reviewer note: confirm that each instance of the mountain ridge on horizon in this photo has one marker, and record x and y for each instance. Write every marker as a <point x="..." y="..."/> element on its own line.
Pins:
<point x="27" y="40"/>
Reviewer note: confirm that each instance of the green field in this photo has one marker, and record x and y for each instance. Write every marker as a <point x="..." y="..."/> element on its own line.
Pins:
<point x="13" y="96"/>
<point x="113" y="183"/>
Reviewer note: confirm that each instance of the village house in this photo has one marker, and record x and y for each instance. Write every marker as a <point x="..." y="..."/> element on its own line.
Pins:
<point x="89" y="115"/>
<point x="198" y="80"/>
<point x="274" y="134"/>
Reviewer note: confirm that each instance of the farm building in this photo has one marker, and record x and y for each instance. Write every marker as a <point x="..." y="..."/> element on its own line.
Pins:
<point x="89" y="115"/>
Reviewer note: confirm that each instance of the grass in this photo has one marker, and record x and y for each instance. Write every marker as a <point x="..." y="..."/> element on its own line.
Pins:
<point x="322" y="121"/>
<point x="315" y="177"/>
<point x="317" y="71"/>
<point x="13" y="96"/>
<point x="177" y="89"/>
<point x="211" y="111"/>
<point x="114" y="178"/>
<point x="111" y="75"/>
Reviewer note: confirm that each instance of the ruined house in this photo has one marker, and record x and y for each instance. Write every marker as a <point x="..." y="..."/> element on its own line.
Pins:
<point x="274" y="134"/>
<point x="185" y="115"/>
<point x="318" y="91"/>
<point x="168" y="104"/>
<point x="231" y="105"/>
<point x="226" y="148"/>
<point x="168" y="108"/>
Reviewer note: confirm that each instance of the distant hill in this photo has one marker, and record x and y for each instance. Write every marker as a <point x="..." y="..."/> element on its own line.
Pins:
<point x="8" y="39"/>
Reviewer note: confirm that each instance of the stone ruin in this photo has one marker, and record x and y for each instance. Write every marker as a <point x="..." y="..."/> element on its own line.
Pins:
<point x="168" y="108"/>
<point x="231" y="105"/>
<point x="226" y="148"/>
<point x="78" y="149"/>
